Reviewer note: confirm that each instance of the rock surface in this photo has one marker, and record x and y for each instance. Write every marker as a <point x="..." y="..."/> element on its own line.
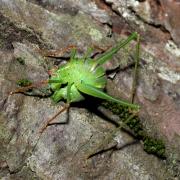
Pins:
<point x="159" y="80"/>
<point x="61" y="151"/>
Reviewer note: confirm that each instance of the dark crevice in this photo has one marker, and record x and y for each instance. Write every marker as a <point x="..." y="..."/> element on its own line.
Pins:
<point x="157" y="26"/>
<point x="131" y="27"/>
<point x="20" y="174"/>
<point x="114" y="148"/>
<point x="55" y="7"/>
<point x="121" y="20"/>
<point x="15" y="171"/>
<point x="9" y="33"/>
<point x="3" y="103"/>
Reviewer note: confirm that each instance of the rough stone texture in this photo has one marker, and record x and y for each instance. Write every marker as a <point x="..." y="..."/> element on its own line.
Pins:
<point x="61" y="151"/>
<point x="171" y="16"/>
<point x="72" y="7"/>
<point x="162" y="14"/>
<point x="159" y="80"/>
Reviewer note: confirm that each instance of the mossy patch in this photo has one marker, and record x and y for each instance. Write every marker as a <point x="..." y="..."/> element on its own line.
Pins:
<point x="21" y="60"/>
<point x="154" y="146"/>
<point x="23" y="82"/>
<point x="151" y="145"/>
<point x="44" y="91"/>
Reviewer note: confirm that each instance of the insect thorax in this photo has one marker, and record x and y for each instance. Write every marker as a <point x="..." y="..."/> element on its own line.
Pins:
<point x="74" y="72"/>
<point x="80" y="70"/>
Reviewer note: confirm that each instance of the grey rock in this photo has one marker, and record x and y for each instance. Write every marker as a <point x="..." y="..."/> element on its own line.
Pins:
<point x="61" y="151"/>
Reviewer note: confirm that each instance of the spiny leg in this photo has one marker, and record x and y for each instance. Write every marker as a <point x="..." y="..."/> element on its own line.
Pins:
<point x="109" y="137"/>
<point x="52" y="118"/>
<point x="109" y="54"/>
<point x="26" y="88"/>
<point x="93" y="91"/>
<point x="102" y="145"/>
<point x="66" y="107"/>
<point x="58" y="52"/>
<point x="50" y="53"/>
<point x="135" y="75"/>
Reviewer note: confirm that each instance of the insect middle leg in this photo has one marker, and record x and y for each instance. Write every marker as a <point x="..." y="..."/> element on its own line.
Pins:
<point x="66" y="107"/>
<point x="52" y="118"/>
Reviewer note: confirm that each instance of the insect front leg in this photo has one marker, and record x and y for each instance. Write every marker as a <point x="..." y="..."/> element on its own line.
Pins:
<point x="106" y="56"/>
<point x="29" y="86"/>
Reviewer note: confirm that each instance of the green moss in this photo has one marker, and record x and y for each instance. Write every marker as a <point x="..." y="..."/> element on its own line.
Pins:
<point x="154" y="146"/>
<point x="44" y="91"/>
<point x="151" y="145"/>
<point x="23" y="82"/>
<point x="21" y="60"/>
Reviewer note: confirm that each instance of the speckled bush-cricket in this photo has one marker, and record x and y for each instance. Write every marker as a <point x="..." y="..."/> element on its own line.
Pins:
<point x="85" y="75"/>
